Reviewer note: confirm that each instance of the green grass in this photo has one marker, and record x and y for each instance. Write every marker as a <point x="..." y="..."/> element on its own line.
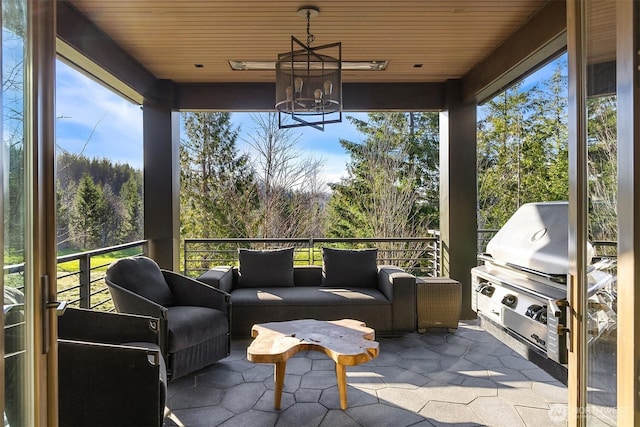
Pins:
<point x="98" y="262"/>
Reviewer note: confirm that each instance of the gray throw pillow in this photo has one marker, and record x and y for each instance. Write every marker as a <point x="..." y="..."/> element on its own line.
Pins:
<point x="349" y="268"/>
<point x="273" y="268"/>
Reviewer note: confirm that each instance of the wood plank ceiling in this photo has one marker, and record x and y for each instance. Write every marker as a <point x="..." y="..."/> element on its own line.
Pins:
<point x="448" y="37"/>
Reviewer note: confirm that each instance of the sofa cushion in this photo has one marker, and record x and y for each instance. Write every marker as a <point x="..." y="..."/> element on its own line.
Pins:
<point x="350" y="268"/>
<point x="307" y="275"/>
<point x="265" y="268"/>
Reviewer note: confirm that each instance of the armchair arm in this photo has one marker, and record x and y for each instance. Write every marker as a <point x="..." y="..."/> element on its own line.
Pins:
<point x="110" y="328"/>
<point x="188" y="291"/>
<point x="220" y="277"/>
<point x="400" y="287"/>
<point x="128" y="302"/>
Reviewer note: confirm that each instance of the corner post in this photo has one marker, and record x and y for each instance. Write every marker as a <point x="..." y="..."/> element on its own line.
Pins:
<point x="458" y="191"/>
<point x="162" y="175"/>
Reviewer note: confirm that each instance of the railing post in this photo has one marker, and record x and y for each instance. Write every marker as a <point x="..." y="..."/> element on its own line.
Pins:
<point x="184" y="270"/>
<point x="312" y="261"/>
<point x="85" y="281"/>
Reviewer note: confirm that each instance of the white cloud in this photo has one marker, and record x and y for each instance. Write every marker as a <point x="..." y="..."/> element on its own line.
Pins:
<point x="86" y="111"/>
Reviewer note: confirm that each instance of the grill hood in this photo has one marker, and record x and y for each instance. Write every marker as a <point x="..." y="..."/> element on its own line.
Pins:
<point x="536" y="237"/>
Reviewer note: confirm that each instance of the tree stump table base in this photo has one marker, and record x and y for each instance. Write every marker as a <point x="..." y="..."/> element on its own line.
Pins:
<point x="347" y="342"/>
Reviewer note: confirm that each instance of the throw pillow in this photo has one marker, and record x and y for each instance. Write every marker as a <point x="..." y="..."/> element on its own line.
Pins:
<point x="269" y="268"/>
<point x="350" y="268"/>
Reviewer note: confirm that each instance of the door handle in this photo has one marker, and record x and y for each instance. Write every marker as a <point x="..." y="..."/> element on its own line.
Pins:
<point x="60" y="306"/>
<point x="568" y="313"/>
<point x="47" y="304"/>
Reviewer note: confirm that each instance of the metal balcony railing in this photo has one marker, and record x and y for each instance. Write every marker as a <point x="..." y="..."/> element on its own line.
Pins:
<point x="81" y="275"/>
<point x="81" y="282"/>
<point x="417" y="255"/>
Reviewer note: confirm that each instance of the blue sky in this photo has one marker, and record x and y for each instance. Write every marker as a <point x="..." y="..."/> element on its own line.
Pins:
<point x="98" y="123"/>
<point x="93" y="120"/>
<point x="89" y="115"/>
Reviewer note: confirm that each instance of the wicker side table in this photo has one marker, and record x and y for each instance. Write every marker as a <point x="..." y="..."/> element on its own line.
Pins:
<point x="438" y="301"/>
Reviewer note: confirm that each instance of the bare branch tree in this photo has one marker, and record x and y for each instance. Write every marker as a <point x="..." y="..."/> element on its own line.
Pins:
<point x="290" y="196"/>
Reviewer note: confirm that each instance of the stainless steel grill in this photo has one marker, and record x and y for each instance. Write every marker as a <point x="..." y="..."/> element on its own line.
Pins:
<point x="522" y="286"/>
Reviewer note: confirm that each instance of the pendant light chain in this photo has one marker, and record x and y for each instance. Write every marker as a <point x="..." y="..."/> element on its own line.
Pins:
<point x="310" y="37"/>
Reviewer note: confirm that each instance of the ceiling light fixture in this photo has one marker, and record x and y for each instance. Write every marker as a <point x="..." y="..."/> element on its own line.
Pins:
<point x="239" y="65"/>
<point x="309" y="81"/>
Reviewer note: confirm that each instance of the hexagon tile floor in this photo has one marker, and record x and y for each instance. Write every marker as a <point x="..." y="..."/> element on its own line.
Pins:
<point x="464" y="378"/>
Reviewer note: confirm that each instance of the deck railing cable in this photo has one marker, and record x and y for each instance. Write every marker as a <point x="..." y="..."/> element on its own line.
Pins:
<point x="418" y="255"/>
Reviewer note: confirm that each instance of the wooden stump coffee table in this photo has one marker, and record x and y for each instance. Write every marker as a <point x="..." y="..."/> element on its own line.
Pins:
<point x="347" y="342"/>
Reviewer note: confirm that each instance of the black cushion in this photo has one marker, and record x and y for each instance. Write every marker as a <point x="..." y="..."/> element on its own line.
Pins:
<point x="265" y="268"/>
<point x="142" y="276"/>
<point x="350" y="268"/>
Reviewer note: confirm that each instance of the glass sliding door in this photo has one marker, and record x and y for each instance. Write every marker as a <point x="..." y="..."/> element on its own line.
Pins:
<point x="604" y="113"/>
<point x="18" y="317"/>
<point x="602" y="214"/>
<point x="29" y="368"/>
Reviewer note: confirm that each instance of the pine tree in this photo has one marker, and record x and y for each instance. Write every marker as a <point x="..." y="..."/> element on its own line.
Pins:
<point x="522" y="149"/>
<point x="392" y="188"/>
<point x="131" y="201"/>
<point x="217" y="192"/>
<point x="392" y="185"/>
<point x="88" y="216"/>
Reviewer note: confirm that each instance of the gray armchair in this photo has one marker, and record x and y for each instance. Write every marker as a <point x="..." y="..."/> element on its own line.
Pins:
<point x="194" y="317"/>
<point x="111" y="370"/>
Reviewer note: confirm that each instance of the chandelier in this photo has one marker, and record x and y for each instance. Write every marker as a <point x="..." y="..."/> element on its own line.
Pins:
<point x="309" y="81"/>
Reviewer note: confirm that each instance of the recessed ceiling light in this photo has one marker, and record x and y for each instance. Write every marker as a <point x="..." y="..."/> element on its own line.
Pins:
<point x="271" y="65"/>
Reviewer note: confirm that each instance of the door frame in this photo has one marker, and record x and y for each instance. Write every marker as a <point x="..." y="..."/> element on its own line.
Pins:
<point x="628" y="110"/>
<point x="40" y="211"/>
<point x="628" y="79"/>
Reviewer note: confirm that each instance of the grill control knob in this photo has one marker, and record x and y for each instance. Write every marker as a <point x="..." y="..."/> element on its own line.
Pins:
<point x="533" y="310"/>
<point x="487" y="291"/>
<point x="541" y="316"/>
<point x="510" y="300"/>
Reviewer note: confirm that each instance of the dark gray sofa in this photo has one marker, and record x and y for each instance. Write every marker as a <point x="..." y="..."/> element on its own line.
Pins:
<point x="385" y="301"/>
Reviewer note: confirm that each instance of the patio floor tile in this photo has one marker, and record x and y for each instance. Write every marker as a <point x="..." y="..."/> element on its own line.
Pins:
<point x="440" y="378"/>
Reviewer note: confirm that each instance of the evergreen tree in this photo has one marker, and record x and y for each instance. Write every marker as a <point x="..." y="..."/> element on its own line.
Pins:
<point x="392" y="188"/>
<point x="88" y="216"/>
<point x="132" y="218"/>
<point x="121" y="189"/>
<point x="111" y="216"/>
<point x="217" y="192"/>
<point x="392" y="185"/>
<point x="522" y="149"/>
